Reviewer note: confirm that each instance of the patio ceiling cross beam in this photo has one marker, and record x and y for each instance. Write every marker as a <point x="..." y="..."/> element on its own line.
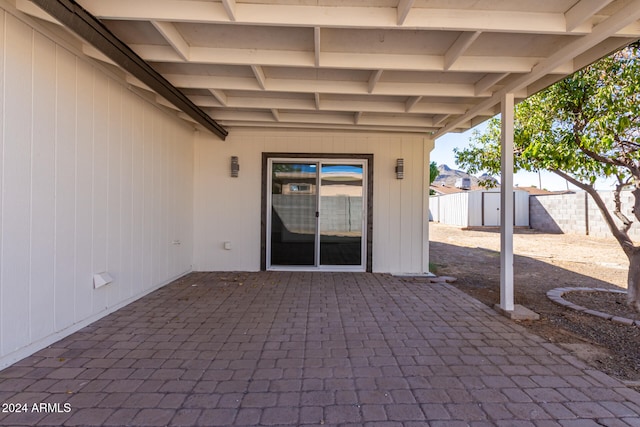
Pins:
<point x="404" y="7"/>
<point x="85" y="25"/>
<point x="363" y="17"/>
<point x="582" y="11"/>
<point x="173" y="37"/>
<point x="373" y="80"/>
<point x="316" y="46"/>
<point x="230" y="8"/>
<point x="411" y="102"/>
<point x="258" y="72"/>
<point x="220" y="96"/>
<point x="622" y="18"/>
<point x="462" y="43"/>
<point x="356" y="60"/>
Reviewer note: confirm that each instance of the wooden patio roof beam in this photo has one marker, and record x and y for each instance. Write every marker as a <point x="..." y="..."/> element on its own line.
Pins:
<point x="85" y="25"/>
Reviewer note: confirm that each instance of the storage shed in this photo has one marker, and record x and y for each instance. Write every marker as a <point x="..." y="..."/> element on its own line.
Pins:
<point x="478" y="208"/>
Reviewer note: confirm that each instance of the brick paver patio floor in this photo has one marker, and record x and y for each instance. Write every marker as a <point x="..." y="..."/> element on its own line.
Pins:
<point x="280" y="348"/>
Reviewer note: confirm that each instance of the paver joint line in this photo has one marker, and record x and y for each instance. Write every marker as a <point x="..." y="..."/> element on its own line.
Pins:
<point x="295" y="348"/>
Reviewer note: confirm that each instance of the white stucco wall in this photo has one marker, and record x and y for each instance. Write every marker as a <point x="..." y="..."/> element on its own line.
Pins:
<point x="229" y="209"/>
<point x="92" y="179"/>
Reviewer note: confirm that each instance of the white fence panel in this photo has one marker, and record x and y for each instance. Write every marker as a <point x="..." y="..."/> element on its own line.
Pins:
<point x="434" y="208"/>
<point x="522" y="208"/>
<point x="454" y="209"/>
<point x="477" y="208"/>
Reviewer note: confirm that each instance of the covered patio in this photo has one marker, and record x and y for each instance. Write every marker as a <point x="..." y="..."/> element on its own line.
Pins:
<point x="144" y="143"/>
<point x="300" y="348"/>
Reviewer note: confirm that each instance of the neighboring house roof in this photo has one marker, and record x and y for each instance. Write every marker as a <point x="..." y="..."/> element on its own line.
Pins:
<point x="534" y="191"/>
<point x="427" y="66"/>
<point x="447" y="189"/>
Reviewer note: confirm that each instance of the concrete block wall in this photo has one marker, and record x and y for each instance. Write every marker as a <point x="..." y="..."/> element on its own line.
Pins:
<point x="561" y="213"/>
<point x="577" y="213"/>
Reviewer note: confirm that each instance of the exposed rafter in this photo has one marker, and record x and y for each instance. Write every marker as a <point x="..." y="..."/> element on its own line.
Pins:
<point x="397" y="65"/>
<point x="94" y="53"/>
<point x="450" y="90"/>
<point x="583" y="11"/>
<point x="411" y="102"/>
<point x="330" y="126"/>
<point x="230" y="8"/>
<point x="26" y="6"/>
<point x="259" y="73"/>
<point x="74" y="17"/>
<point x="137" y="83"/>
<point x="259" y="101"/>
<point x="488" y="81"/>
<point x="373" y="80"/>
<point x="316" y="46"/>
<point x="160" y="100"/>
<point x="330" y="60"/>
<point x="623" y="17"/>
<point x="458" y="48"/>
<point x="220" y="96"/>
<point x="173" y="37"/>
<point x="342" y="17"/>
<point x="415" y="122"/>
<point x="404" y="7"/>
<point x="438" y="119"/>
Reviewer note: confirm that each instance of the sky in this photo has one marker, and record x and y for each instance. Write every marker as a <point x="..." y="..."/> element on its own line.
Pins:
<point x="443" y="154"/>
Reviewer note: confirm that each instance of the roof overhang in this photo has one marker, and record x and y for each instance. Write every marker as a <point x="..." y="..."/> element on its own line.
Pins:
<point x="420" y="66"/>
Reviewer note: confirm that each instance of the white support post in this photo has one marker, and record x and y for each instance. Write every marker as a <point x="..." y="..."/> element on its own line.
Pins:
<point x="427" y="146"/>
<point x="506" y="204"/>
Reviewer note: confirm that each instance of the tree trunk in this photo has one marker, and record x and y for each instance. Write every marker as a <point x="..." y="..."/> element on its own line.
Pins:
<point x="621" y="235"/>
<point x="633" y="280"/>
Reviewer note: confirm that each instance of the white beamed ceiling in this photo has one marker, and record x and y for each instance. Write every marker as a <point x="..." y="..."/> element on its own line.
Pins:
<point x="429" y="66"/>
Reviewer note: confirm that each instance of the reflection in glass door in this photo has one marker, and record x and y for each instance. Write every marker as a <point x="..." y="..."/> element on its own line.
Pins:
<point x="293" y="213"/>
<point x="341" y="219"/>
<point x="316" y="214"/>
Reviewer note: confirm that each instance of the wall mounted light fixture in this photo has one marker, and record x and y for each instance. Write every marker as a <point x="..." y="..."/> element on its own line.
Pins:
<point x="235" y="167"/>
<point x="399" y="168"/>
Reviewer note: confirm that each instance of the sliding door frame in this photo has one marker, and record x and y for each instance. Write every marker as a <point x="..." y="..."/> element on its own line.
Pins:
<point x="320" y="157"/>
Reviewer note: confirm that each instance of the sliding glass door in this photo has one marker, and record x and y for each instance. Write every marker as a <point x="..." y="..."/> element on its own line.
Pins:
<point x="316" y="214"/>
<point x="341" y="216"/>
<point x="293" y="213"/>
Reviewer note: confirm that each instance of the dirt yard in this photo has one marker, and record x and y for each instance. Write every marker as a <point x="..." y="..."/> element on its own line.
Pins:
<point x="543" y="262"/>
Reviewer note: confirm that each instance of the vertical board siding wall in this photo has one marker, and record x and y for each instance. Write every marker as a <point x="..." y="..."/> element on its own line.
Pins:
<point x="229" y="209"/>
<point x="92" y="179"/>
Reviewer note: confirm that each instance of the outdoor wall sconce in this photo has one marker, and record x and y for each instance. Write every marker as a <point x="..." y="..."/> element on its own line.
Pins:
<point x="400" y="168"/>
<point x="235" y="167"/>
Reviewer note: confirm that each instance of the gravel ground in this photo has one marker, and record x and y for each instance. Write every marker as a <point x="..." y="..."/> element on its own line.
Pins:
<point x="543" y="262"/>
<point x="613" y="303"/>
